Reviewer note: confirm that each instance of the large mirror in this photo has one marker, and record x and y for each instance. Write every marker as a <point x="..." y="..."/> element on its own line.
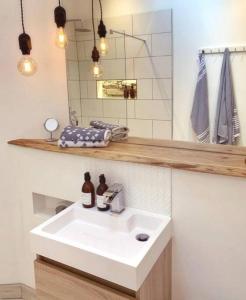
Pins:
<point x="135" y="88"/>
<point x="150" y="75"/>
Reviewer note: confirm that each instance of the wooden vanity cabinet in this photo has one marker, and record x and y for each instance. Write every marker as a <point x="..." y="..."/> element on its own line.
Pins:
<point x="55" y="281"/>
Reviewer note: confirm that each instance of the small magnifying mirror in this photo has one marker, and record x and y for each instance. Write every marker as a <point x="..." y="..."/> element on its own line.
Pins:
<point x="51" y="125"/>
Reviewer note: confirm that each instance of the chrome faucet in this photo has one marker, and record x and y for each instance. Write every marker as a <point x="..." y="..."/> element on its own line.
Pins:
<point x="114" y="197"/>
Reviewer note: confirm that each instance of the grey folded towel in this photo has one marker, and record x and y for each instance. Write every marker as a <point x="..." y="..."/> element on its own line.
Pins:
<point x="200" y="111"/>
<point x="118" y="132"/>
<point x="227" y="127"/>
<point x="84" y="137"/>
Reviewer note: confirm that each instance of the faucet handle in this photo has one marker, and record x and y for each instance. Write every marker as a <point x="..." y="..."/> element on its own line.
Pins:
<point x="114" y="196"/>
<point x="111" y="192"/>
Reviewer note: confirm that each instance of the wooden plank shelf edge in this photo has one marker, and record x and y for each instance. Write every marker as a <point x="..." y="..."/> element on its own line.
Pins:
<point x="213" y="159"/>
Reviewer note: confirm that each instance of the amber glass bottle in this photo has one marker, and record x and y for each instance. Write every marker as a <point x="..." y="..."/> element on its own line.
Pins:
<point x="132" y="92"/>
<point x="102" y="188"/>
<point x="88" y="192"/>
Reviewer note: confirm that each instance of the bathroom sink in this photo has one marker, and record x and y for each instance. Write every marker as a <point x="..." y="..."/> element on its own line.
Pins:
<point x="104" y="244"/>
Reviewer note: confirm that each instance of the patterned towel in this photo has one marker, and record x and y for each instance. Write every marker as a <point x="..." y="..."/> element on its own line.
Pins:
<point x="227" y="127"/>
<point x="84" y="137"/>
<point x="200" y="112"/>
<point x="118" y="132"/>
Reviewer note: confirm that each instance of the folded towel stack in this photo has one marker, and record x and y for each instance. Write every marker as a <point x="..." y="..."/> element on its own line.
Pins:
<point x="117" y="132"/>
<point x="84" y="137"/>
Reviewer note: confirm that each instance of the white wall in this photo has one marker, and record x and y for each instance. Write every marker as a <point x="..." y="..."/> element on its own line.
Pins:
<point x="24" y="105"/>
<point x="209" y="259"/>
<point x="61" y="176"/>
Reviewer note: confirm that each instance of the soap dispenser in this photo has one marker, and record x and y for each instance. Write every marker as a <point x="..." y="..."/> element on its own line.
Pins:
<point x="88" y="192"/>
<point x="102" y="188"/>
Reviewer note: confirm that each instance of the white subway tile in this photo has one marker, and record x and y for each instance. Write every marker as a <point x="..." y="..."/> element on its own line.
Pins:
<point x="81" y="50"/>
<point x="85" y="70"/>
<point x="73" y="70"/>
<point x="152" y="22"/>
<point x="75" y="106"/>
<point x="162" y="89"/>
<point x="114" y="108"/>
<point x="154" y="109"/>
<point x="140" y="128"/>
<point x="113" y="69"/>
<point x="73" y="89"/>
<point x="70" y="31"/>
<point x="137" y="48"/>
<point x="161" y="44"/>
<point x="131" y="109"/>
<point x="144" y="87"/>
<point x="162" y="130"/>
<point x="120" y="48"/>
<point x="120" y="23"/>
<point x="92" y="89"/>
<point x="83" y="89"/>
<point x="129" y="69"/>
<point x="123" y="122"/>
<point x="92" y="107"/>
<point x="89" y="45"/>
<point x="133" y="47"/>
<point x="153" y="67"/>
<point x="71" y="51"/>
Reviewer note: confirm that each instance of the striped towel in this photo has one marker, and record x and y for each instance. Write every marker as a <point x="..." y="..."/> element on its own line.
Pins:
<point x="227" y="127"/>
<point x="200" y="111"/>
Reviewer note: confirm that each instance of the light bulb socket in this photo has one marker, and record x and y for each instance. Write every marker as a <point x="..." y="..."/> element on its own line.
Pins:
<point x="60" y="16"/>
<point x="95" y="54"/>
<point x="102" y="29"/>
<point x="25" y="43"/>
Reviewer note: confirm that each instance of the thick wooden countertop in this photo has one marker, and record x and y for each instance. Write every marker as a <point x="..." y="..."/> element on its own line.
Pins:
<point x="214" y="159"/>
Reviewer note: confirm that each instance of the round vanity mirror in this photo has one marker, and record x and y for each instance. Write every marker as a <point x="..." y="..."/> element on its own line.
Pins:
<point x="51" y="125"/>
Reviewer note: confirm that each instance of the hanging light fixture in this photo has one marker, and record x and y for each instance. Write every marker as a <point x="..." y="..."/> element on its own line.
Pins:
<point x="26" y="66"/>
<point x="102" y="32"/>
<point x="60" y="20"/>
<point x="96" y="67"/>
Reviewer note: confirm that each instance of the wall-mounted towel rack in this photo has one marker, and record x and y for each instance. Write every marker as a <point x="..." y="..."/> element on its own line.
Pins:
<point x="221" y="50"/>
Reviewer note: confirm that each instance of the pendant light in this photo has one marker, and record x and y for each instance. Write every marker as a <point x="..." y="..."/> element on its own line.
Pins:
<point x="60" y="20"/>
<point x="102" y="32"/>
<point x="96" y="67"/>
<point x="26" y="66"/>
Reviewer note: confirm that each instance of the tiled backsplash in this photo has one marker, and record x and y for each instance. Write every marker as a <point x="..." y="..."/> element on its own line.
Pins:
<point x="150" y="115"/>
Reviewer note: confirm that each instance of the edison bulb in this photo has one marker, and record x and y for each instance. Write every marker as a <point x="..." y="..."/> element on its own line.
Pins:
<point x="27" y="66"/>
<point x="61" y="38"/>
<point x="103" y="46"/>
<point x="96" y="70"/>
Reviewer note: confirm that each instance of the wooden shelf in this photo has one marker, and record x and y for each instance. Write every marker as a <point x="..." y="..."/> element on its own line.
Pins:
<point x="214" y="159"/>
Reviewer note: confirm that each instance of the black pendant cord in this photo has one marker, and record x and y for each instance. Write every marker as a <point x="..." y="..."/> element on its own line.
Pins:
<point x="101" y="10"/>
<point x="93" y="24"/>
<point x="59" y="2"/>
<point x="22" y="16"/>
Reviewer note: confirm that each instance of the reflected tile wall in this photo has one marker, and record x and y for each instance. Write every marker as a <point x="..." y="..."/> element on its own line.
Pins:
<point x="150" y="116"/>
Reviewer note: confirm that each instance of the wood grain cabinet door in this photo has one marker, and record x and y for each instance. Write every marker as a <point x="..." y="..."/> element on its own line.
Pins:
<point x="55" y="283"/>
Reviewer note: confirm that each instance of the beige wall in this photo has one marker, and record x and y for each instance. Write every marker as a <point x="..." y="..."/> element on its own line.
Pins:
<point x="24" y="105"/>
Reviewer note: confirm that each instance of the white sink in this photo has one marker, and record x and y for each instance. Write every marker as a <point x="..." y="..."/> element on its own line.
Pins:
<point x="104" y="244"/>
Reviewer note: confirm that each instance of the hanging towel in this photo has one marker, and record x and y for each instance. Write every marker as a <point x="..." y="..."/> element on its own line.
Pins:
<point x="200" y="112"/>
<point x="227" y="127"/>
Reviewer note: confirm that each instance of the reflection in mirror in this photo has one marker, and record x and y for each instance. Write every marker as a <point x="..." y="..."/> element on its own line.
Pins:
<point x="139" y="57"/>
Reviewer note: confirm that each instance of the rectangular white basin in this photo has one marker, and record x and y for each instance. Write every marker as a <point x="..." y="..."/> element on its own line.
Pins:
<point x="104" y="244"/>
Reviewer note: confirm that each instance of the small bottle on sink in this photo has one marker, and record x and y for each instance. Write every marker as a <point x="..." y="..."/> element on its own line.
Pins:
<point x="102" y="188"/>
<point x="88" y="192"/>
